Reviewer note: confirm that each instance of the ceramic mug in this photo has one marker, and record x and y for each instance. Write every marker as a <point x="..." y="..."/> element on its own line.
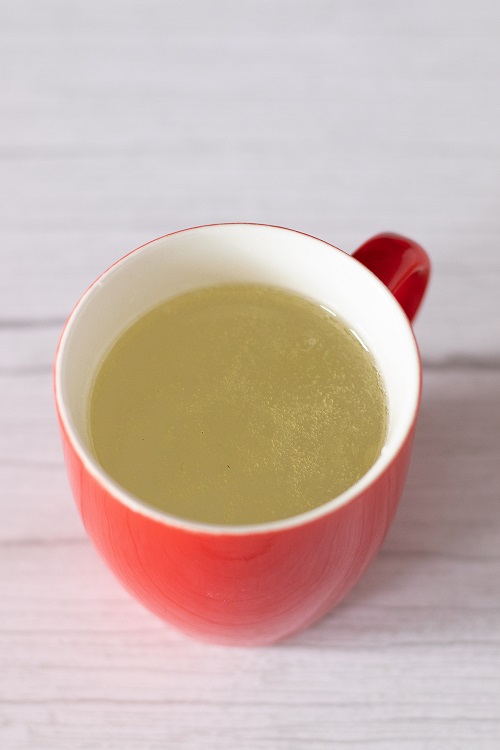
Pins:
<point x="246" y="585"/>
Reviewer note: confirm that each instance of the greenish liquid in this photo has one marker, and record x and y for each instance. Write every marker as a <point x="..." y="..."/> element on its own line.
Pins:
<point x="237" y="404"/>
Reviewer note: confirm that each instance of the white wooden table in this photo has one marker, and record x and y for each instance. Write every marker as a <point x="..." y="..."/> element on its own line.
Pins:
<point x="121" y="121"/>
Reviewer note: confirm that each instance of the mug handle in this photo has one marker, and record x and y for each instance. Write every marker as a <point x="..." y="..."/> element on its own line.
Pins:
<point x="401" y="264"/>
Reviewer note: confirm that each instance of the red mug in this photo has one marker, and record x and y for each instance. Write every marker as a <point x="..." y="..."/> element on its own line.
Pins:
<point x="246" y="585"/>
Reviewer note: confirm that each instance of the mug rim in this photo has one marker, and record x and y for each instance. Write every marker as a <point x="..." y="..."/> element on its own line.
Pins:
<point x="134" y="503"/>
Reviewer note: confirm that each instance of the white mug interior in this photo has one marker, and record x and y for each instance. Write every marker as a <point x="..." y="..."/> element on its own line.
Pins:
<point x="230" y="253"/>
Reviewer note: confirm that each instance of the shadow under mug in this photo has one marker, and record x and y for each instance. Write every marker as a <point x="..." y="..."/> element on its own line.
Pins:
<point x="246" y="585"/>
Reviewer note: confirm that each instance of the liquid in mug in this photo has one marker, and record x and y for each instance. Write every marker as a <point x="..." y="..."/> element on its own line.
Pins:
<point x="237" y="404"/>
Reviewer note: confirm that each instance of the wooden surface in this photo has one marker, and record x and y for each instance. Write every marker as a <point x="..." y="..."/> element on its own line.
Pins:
<point x="121" y="121"/>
